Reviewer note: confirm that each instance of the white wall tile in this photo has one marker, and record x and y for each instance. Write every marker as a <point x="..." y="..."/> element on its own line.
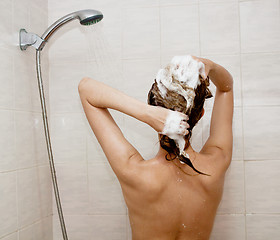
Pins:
<point x="7" y="141"/>
<point x="258" y="69"/>
<point x="233" y="197"/>
<point x="261" y="132"/>
<point x="78" y="227"/>
<point x="230" y="227"/>
<point x="28" y="200"/>
<point x="6" y="79"/>
<point x="105" y="227"/>
<point x="6" y="18"/>
<point x="141" y="33"/>
<point x="196" y="139"/>
<point x="40" y="145"/>
<point x="68" y="138"/>
<point x="219" y="28"/>
<point x="68" y="44"/>
<point x="64" y="95"/>
<point x="73" y="185"/>
<point x="261" y="33"/>
<point x="232" y="64"/>
<point x="139" y="3"/>
<point x="25" y="79"/>
<point x="143" y="137"/>
<point x="237" y="131"/>
<point x="8" y="204"/>
<point x="45" y="190"/>
<point x="262" y="226"/>
<point x="139" y="77"/>
<point x="105" y="194"/>
<point x="13" y="236"/>
<point x="25" y="146"/>
<point x="179" y="30"/>
<point x="177" y="2"/>
<point x="262" y="184"/>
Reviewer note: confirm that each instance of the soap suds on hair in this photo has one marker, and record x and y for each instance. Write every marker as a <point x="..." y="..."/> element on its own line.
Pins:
<point x="186" y="71"/>
<point x="181" y="71"/>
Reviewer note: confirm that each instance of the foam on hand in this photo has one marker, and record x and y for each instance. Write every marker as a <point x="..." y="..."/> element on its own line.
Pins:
<point x="173" y="130"/>
<point x="183" y="69"/>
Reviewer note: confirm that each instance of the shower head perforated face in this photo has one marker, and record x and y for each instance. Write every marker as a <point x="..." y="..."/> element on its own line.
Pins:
<point x="89" y="17"/>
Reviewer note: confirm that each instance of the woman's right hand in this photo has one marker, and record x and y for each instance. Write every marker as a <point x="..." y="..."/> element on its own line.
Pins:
<point x="207" y="63"/>
<point x="158" y="116"/>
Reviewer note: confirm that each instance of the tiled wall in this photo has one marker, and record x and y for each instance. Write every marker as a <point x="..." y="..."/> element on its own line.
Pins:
<point x="242" y="36"/>
<point x="25" y="183"/>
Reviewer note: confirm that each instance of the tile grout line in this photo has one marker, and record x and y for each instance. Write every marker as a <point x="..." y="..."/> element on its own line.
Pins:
<point x="242" y="116"/>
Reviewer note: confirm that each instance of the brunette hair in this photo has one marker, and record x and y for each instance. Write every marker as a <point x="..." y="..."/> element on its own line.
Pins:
<point x="176" y="102"/>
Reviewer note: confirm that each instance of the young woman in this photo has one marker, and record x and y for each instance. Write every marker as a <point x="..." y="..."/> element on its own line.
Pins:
<point x="167" y="199"/>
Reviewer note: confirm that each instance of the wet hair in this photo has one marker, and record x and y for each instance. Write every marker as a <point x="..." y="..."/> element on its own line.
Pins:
<point x="176" y="102"/>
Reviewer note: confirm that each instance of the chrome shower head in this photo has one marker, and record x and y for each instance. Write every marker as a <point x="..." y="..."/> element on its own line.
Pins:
<point x="86" y="17"/>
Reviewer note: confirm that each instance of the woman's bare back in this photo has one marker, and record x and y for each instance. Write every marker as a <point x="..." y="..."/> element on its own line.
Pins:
<point x="169" y="205"/>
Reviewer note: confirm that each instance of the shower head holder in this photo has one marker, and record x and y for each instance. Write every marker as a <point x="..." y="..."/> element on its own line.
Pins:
<point x="86" y="17"/>
<point x="29" y="39"/>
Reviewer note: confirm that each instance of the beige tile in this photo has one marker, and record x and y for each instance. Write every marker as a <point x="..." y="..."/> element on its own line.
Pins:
<point x="139" y="77"/>
<point x="219" y="28"/>
<point x="128" y="228"/>
<point x="7" y="141"/>
<point x="63" y="86"/>
<point x="262" y="226"/>
<point x="105" y="194"/>
<point x="230" y="227"/>
<point x="40" y="145"/>
<point x="73" y="186"/>
<point x="25" y="145"/>
<point x="237" y="153"/>
<point x="78" y="227"/>
<point x="28" y="196"/>
<point x="196" y="138"/>
<point x="179" y="30"/>
<point x="108" y="227"/>
<point x="232" y="64"/>
<point x="262" y="184"/>
<point x="45" y="190"/>
<point x="13" y="236"/>
<point x="6" y="79"/>
<point x="69" y="43"/>
<point x="8" y="204"/>
<point x="261" y="132"/>
<point x="260" y="78"/>
<point x="25" y="81"/>
<point x="177" y="2"/>
<point x="233" y="197"/>
<point x="217" y="1"/>
<point x="141" y="35"/>
<point x="6" y="27"/>
<point x="143" y="137"/>
<point x="68" y="138"/>
<point x="139" y="3"/>
<point x="262" y="33"/>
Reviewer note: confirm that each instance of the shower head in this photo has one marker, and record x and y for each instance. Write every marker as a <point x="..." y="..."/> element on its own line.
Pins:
<point x="86" y="17"/>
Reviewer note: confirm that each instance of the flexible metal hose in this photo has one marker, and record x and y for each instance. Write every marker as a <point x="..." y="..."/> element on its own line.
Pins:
<point x="48" y="141"/>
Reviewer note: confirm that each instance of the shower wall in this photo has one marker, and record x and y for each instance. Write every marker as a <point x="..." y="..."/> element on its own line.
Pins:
<point x="25" y="183"/>
<point x="242" y="36"/>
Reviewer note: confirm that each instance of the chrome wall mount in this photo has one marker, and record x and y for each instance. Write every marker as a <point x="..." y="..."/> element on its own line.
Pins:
<point x="30" y="39"/>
